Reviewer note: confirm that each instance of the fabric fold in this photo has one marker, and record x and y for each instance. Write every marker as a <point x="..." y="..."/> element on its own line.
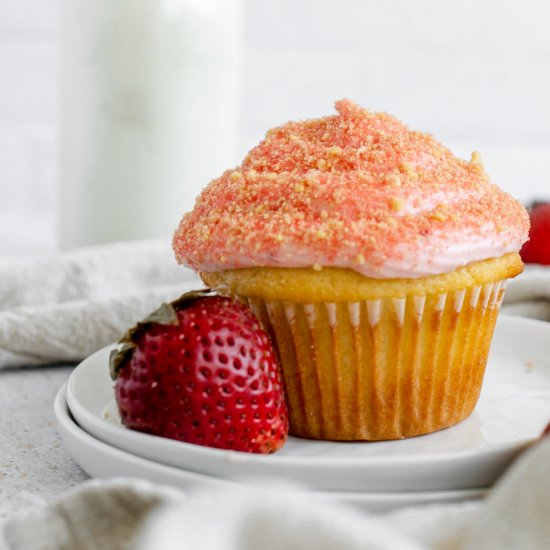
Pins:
<point x="131" y="514"/>
<point x="529" y="294"/>
<point x="63" y="307"/>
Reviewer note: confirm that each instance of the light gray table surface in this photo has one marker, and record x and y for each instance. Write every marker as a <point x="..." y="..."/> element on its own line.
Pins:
<point x="35" y="466"/>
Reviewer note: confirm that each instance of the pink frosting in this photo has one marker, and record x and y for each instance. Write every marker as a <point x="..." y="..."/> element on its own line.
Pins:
<point x="357" y="190"/>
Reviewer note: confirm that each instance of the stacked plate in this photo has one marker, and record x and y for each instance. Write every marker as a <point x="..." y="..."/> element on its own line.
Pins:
<point x="456" y="464"/>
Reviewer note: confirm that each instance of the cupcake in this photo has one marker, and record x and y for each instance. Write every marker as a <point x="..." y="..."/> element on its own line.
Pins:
<point x="377" y="261"/>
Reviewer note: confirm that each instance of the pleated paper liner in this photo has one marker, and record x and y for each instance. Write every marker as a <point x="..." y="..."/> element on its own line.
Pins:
<point x="382" y="369"/>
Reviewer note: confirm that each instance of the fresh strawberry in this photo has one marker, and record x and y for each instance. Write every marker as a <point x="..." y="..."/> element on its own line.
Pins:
<point x="537" y="249"/>
<point x="202" y="370"/>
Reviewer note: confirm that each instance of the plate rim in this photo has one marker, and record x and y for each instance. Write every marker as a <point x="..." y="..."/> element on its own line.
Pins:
<point x="69" y="424"/>
<point x="285" y="461"/>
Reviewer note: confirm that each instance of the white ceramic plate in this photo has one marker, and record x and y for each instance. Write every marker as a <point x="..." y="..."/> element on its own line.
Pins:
<point x="513" y="409"/>
<point x="101" y="460"/>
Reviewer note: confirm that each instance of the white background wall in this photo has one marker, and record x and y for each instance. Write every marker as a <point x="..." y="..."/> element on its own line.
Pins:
<point x="475" y="73"/>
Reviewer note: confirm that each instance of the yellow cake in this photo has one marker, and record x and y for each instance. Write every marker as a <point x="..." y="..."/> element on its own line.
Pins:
<point x="376" y="260"/>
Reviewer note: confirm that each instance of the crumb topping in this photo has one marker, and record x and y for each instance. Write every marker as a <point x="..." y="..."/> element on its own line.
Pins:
<point x="351" y="190"/>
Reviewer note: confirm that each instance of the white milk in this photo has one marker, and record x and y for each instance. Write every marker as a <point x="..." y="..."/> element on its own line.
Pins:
<point x="149" y="114"/>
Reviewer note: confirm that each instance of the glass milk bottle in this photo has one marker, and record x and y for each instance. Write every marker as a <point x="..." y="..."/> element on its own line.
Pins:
<point x="149" y="113"/>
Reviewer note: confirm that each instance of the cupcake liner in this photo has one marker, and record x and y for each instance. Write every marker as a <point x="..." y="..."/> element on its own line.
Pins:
<point x="382" y="369"/>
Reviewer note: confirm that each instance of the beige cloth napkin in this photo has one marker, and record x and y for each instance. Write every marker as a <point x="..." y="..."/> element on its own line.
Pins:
<point x="529" y="294"/>
<point x="62" y="307"/>
<point x="129" y="514"/>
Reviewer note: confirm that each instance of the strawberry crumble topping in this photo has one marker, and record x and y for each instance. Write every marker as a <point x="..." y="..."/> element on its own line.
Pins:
<point x="357" y="190"/>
